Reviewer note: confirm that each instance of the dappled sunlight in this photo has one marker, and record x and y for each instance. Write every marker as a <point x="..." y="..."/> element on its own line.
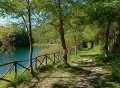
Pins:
<point x="88" y="73"/>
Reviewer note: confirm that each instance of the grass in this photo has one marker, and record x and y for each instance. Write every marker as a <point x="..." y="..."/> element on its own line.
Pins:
<point x="51" y="49"/>
<point x="44" y="45"/>
<point x="26" y="77"/>
<point x="96" y="52"/>
<point x="23" y="78"/>
<point x="114" y="69"/>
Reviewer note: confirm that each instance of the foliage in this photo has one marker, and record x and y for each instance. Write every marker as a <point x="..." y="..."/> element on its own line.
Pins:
<point x="16" y="35"/>
<point x="11" y="38"/>
<point x="103" y="10"/>
<point x="90" y="32"/>
<point x="45" y="35"/>
<point x="21" y="39"/>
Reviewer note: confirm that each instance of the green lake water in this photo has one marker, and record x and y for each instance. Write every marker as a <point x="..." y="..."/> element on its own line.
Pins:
<point x="18" y="54"/>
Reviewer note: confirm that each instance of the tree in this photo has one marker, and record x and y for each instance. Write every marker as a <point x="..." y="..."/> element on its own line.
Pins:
<point x="75" y="23"/>
<point x="61" y="29"/>
<point x="22" y="10"/>
<point x="90" y="33"/>
<point x="103" y="13"/>
<point x="56" y="11"/>
<point x="115" y="50"/>
<point x="30" y="36"/>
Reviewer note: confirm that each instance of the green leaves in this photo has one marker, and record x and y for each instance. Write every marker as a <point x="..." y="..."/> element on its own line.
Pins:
<point x="104" y="10"/>
<point x="90" y="32"/>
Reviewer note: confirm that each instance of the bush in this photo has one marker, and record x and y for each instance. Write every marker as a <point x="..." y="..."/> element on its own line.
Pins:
<point x="21" y="39"/>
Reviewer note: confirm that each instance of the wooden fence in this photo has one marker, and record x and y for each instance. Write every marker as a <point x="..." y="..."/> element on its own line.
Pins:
<point x="38" y="61"/>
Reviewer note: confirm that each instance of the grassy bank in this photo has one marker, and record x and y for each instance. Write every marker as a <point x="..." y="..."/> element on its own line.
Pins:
<point x="50" y="49"/>
<point x="14" y="82"/>
<point x="44" y="45"/>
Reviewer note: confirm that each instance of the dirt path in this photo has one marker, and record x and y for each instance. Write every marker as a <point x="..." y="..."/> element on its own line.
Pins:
<point x="95" y="76"/>
<point x="85" y="73"/>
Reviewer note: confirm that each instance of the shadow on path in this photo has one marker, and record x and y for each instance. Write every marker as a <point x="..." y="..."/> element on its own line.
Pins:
<point x="88" y="75"/>
<point x="85" y="73"/>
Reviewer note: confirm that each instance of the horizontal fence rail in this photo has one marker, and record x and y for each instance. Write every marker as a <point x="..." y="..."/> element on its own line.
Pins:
<point x="38" y="61"/>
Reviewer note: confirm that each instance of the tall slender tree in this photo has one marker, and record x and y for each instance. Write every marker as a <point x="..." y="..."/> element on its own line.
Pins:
<point x="30" y="36"/>
<point x="21" y="10"/>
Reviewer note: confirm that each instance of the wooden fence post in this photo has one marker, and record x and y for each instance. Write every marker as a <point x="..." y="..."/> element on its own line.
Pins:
<point x="15" y="70"/>
<point x="59" y="56"/>
<point x="54" y="58"/>
<point x="36" y="63"/>
<point x="46" y="59"/>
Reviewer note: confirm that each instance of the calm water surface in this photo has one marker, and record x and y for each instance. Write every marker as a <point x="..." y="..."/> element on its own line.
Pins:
<point x="18" y="54"/>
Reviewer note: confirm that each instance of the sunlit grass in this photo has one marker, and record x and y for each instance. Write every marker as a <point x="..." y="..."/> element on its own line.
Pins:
<point x="24" y="77"/>
<point x="96" y="52"/>
<point x="51" y="49"/>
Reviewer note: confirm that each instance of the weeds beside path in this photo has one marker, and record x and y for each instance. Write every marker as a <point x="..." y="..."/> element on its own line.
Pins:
<point x="83" y="73"/>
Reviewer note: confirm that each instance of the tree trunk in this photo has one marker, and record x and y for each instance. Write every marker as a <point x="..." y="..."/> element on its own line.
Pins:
<point x="92" y="44"/>
<point x="107" y="40"/>
<point x="117" y="42"/>
<point x="118" y="39"/>
<point x="30" y="37"/>
<point x="61" y="30"/>
<point x="119" y="31"/>
<point x="75" y="44"/>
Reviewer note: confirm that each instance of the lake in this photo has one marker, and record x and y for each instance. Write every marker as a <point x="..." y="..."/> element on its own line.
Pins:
<point x="18" y="54"/>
